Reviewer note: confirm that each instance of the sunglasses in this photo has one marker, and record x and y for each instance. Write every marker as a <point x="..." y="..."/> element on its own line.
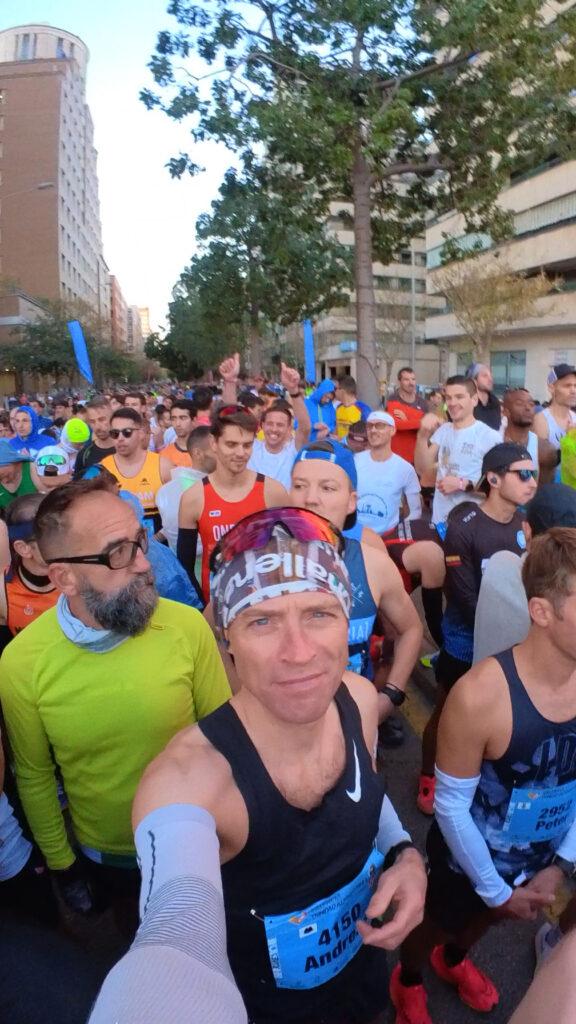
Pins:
<point x="524" y="474"/>
<point x="118" y="556"/>
<point x="255" y="531"/>
<point x="231" y="410"/>
<point x="125" y="431"/>
<point x="51" y="460"/>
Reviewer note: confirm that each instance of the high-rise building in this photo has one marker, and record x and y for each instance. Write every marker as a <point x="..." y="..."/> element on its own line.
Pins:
<point x="145" y="322"/>
<point x="50" y="233"/>
<point x="118" y="316"/>
<point x="135" y="343"/>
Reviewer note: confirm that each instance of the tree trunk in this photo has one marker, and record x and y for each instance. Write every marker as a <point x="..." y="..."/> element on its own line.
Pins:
<point x="255" y="343"/>
<point x="365" y="301"/>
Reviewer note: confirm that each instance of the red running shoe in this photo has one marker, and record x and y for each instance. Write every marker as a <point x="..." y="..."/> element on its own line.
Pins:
<point x="474" y="988"/>
<point x="409" y="1001"/>
<point x="425" y="798"/>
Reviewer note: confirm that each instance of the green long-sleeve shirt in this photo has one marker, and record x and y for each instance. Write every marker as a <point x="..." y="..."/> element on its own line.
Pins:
<point x="106" y="716"/>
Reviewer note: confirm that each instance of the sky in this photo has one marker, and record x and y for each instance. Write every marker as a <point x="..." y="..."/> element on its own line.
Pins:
<point x="147" y="217"/>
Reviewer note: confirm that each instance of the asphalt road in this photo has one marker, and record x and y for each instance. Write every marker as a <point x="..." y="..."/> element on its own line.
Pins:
<point x="507" y="952"/>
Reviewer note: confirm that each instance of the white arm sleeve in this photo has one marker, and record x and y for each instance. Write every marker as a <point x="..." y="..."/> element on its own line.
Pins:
<point x="177" y="969"/>
<point x="390" y="828"/>
<point x="452" y="802"/>
<point x="567" y="848"/>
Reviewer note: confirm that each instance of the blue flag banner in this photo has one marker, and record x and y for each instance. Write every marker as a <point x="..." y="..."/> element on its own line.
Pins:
<point x="80" y="350"/>
<point x="309" y="354"/>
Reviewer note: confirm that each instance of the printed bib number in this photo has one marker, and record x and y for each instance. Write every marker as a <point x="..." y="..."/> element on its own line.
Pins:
<point x="308" y="947"/>
<point x="539" y="815"/>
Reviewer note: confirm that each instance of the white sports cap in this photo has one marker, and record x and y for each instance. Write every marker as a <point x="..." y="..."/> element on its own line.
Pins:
<point x="379" y="416"/>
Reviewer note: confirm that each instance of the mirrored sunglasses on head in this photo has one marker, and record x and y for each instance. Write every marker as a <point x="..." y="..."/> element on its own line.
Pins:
<point x="255" y="531"/>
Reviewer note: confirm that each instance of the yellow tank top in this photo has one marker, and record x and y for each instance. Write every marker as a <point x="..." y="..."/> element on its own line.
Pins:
<point x="145" y="484"/>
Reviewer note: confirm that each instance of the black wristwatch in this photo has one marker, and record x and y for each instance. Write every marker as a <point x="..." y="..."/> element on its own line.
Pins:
<point x="395" y="694"/>
<point x="567" y="867"/>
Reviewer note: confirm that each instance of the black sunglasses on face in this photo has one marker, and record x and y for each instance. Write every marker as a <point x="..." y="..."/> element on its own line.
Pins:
<point x="524" y="474"/>
<point x="119" y="556"/>
<point x="125" y="431"/>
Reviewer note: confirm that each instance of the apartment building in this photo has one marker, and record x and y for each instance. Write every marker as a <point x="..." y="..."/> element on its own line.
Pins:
<point x="135" y="340"/>
<point x="50" y="232"/>
<point x="118" y="316"/>
<point x="543" y="205"/>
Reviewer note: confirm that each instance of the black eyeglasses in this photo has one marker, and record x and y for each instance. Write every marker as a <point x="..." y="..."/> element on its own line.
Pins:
<point x="119" y="556"/>
<point x="125" y="431"/>
<point x="524" y="474"/>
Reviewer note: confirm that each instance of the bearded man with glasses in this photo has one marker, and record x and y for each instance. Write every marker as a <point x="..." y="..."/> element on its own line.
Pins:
<point x="97" y="688"/>
<point x="137" y="470"/>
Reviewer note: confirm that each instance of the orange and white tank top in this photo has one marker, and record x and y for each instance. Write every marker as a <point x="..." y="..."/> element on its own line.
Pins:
<point x="219" y="516"/>
<point x="177" y="456"/>
<point x="145" y="484"/>
<point x="25" y="603"/>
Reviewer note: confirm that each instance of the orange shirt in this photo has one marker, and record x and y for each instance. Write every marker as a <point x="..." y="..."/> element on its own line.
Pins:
<point x="145" y="484"/>
<point x="177" y="456"/>
<point x="24" y="604"/>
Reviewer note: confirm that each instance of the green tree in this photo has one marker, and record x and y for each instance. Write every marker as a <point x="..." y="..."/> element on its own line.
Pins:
<point x="398" y="106"/>
<point x="487" y="295"/>
<point x="44" y="347"/>
<point x="266" y="258"/>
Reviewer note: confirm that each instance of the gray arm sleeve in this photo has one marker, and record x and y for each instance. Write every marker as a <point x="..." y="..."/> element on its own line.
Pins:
<point x="177" y="969"/>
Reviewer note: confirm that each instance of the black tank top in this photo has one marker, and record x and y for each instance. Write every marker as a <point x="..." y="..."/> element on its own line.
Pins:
<point x="292" y="859"/>
<point x="526" y="800"/>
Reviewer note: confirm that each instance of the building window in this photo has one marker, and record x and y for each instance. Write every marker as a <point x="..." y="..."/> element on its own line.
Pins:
<point x="60" y="47"/>
<point x="2" y="97"/>
<point x="508" y="369"/>
<point x="24" y="46"/>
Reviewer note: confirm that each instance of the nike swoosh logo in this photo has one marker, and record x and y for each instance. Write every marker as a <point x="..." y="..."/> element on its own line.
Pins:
<point x="356" y="793"/>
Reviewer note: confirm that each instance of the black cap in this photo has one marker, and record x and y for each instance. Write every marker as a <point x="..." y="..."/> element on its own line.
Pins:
<point x="552" y="505"/>
<point x="560" y="371"/>
<point x="503" y="455"/>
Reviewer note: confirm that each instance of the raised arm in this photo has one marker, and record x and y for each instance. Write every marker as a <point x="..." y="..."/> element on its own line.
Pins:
<point x="229" y="370"/>
<point x="425" y="453"/>
<point x="290" y="379"/>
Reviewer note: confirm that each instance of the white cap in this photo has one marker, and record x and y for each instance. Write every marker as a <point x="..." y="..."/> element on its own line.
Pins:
<point x="379" y="416"/>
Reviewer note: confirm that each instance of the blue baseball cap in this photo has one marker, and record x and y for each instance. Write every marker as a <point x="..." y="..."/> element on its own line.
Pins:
<point x="9" y="455"/>
<point x="330" y="451"/>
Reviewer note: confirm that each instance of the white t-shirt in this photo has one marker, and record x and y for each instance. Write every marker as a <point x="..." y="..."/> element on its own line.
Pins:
<point x="277" y="465"/>
<point x="460" y="453"/>
<point x="168" y="499"/>
<point x="381" y="486"/>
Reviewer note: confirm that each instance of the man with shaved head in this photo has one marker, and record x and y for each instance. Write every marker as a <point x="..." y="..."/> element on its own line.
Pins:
<point x="519" y="412"/>
<point x="97" y="687"/>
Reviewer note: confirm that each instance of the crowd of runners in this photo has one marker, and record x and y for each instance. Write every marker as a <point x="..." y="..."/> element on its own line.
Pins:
<point x="208" y="626"/>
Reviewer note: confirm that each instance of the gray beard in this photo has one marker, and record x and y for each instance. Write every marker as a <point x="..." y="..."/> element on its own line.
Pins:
<point x="126" y="611"/>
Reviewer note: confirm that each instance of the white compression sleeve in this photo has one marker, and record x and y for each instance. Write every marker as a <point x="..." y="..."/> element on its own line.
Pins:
<point x="452" y="802"/>
<point x="390" y="829"/>
<point x="567" y="848"/>
<point x="177" y="969"/>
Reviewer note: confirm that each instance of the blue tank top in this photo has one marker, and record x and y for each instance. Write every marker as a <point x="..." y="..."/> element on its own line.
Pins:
<point x="364" y="608"/>
<point x="526" y="801"/>
<point x="285" y="946"/>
